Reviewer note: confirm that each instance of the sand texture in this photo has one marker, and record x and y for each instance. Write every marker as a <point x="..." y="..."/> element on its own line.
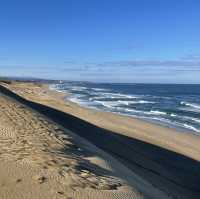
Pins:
<point x="40" y="159"/>
<point x="56" y="149"/>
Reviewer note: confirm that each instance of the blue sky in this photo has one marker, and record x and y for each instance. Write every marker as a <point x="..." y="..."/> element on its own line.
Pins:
<point x="101" y="40"/>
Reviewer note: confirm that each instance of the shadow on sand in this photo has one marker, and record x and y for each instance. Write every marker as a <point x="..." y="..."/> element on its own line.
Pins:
<point x="177" y="175"/>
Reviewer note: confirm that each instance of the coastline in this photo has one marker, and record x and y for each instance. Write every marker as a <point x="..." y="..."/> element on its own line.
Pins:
<point x="128" y="121"/>
<point x="180" y="141"/>
<point x="154" y="147"/>
<point x="41" y="159"/>
<point x="146" y="120"/>
<point x="158" y="104"/>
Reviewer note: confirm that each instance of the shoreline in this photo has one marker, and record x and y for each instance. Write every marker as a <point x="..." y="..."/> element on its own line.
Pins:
<point x="120" y="116"/>
<point x="42" y="159"/>
<point x="156" y="121"/>
<point x="146" y="120"/>
<point x="149" y="132"/>
<point x="151" y="151"/>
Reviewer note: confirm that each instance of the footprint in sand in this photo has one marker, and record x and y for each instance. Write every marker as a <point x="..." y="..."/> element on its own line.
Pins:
<point x="40" y="179"/>
<point x="60" y="192"/>
<point x="18" y="180"/>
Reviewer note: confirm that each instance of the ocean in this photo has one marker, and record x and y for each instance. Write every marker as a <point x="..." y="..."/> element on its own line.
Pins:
<point x="171" y="105"/>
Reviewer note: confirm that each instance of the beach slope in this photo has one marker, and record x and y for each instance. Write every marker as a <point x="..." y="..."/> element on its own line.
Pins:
<point x="132" y="158"/>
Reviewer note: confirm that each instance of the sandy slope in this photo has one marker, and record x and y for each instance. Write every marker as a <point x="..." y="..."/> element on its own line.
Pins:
<point x="40" y="159"/>
<point x="180" y="142"/>
<point x="149" y="151"/>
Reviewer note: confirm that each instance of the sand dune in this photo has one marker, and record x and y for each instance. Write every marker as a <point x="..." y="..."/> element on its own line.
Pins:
<point x="40" y="159"/>
<point x="44" y="148"/>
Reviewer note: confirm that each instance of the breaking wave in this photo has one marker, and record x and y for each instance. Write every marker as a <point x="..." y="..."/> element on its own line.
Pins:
<point x="168" y="105"/>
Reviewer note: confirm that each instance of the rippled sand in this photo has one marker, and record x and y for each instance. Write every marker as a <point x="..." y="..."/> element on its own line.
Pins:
<point x="45" y="157"/>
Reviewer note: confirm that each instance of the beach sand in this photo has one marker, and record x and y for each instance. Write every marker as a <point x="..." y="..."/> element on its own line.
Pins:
<point x="51" y="148"/>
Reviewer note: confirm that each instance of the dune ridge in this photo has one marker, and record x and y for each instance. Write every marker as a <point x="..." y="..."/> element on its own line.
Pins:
<point x="41" y="159"/>
<point x="167" y="169"/>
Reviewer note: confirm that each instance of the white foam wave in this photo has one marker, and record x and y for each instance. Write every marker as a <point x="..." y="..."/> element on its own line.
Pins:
<point x="108" y="104"/>
<point x="56" y="87"/>
<point x="117" y="95"/>
<point x="143" y="112"/>
<point x="158" y="112"/>
<point x="193" y="105"/>
<point x="142" y="102"/>
<point x="188" y="118"/>
<point x="190" y="109"/>
<point x="134" y="111"/>
<point x="75" y="100"/>
<point x="119" y="102"/>
<point x="53" y="86"/>
<point x="163" y="120"/>
<point x="177" y="124"/>
<point x="104" y="99"/>
<point x="196" y="120"/>
<point x="100" y="89"/>
<point x="191" y="128"/>
<point x="77" y="88"/>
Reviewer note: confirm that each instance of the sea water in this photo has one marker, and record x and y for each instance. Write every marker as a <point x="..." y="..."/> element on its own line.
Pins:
<point x="172" y="105"/>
